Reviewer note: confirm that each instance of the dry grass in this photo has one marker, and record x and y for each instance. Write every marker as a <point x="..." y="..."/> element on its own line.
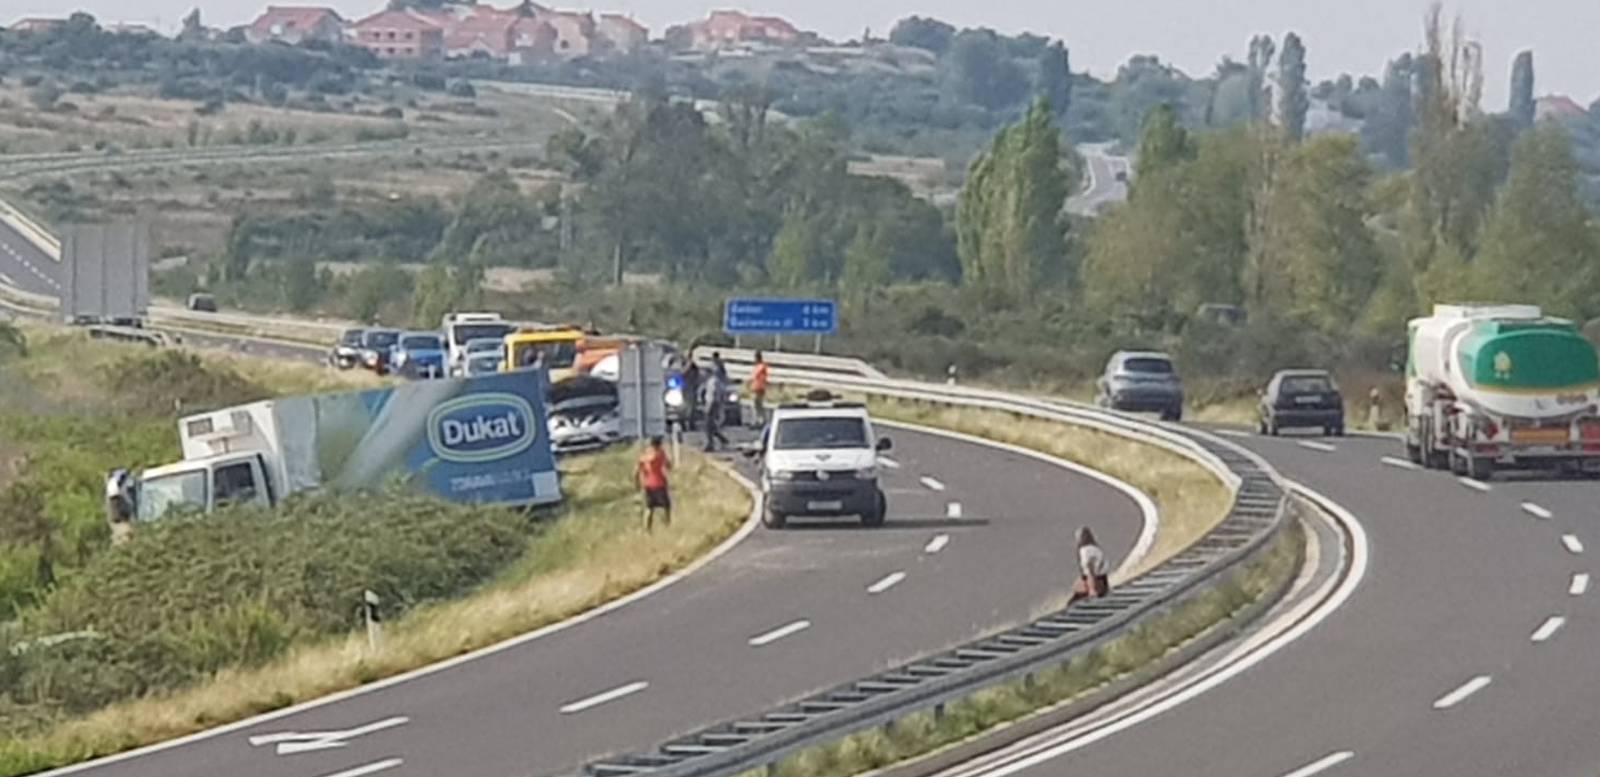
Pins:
<point x="1190" y="498"/>
<point x="595" y="552"/>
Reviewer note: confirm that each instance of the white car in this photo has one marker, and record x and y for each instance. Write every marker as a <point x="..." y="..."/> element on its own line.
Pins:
<point x="462" y="328"/>
<point x="584" y="415"/>
<point x="821" y="458"/>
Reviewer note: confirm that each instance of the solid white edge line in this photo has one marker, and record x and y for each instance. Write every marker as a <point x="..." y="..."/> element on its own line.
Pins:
<point x="1322" y="764"/>
<point x="1342" y="590"/>
<point x="1572" y="543"/>
<point x="932" y="483"/>
<point x="1460" y="694"/>
<point x="598" y="699"/>
<point x="1476" y="485"/>
<point x="371" y="768"/>
<point x="1580" y="584"/>
<point x="952" y="510"/>
<point x="889" y="581"/>
<point x="1551" y="625"/>
<point x="1147" y="506"/>
<point x="936" y="544"/>
<point x="750" y="525"/>
<point x="1320" y="447"/>
<point x="1394" y="461"/>
<point x="1536" y="511"/>
<point x="776" y="634"/>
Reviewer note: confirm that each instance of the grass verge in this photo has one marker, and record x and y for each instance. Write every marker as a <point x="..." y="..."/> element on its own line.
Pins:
<point x="1191" y="499"/>
<point x="980" y="714"/>
<point x="594" y="551"/>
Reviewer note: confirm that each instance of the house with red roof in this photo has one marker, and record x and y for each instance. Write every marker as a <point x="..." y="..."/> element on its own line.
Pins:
<point x="295" y="24"/>
<point x="1557" y="107"/>
<point x="475" y="30"/>
<point x="621" y="33"/>
<point x="733" y="29"/>
<point x="403" y="34"/>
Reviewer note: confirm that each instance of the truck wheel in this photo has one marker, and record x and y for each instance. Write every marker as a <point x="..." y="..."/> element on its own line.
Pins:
<point x="880" y="511"/>
<point x="1458" y="463"/>
<point x="1480" y="468"/>
<point x="1172" y="414"/>
<point x="1413" y="452"/>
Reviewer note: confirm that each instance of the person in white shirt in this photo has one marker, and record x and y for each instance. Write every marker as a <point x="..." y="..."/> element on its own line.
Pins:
<point x="1093" y="580"/>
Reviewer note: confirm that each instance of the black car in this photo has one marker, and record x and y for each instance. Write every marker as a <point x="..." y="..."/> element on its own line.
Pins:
<point x="1301" y="398"/>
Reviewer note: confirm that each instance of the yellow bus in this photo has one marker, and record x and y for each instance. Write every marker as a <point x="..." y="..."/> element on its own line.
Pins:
<point x="557" y="349"/>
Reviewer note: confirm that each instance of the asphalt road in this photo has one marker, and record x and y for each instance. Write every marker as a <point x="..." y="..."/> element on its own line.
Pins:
<point x="24" y="266"/>
<point x="782" y="614"/>
<point x="1447" y="661"/>
<point x="1101" y="186"/>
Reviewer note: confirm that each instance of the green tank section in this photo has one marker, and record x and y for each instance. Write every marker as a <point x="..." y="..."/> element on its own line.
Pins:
<point x="1543" y="356"/>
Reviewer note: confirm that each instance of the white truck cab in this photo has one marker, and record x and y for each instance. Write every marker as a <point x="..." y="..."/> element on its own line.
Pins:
<point x="462" y="328"/>
<point x="230" y="457"/>
<point x="821" y="458"/>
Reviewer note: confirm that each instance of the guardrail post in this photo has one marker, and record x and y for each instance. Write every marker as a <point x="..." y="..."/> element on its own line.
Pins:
<point x="938" y="712"/>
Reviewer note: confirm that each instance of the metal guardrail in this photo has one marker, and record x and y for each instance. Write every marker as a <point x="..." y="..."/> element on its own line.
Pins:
<point x="743" y="744"/>
<point x="746" y="357"/>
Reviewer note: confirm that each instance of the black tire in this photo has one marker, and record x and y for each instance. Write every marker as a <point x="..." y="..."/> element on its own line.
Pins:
<point x="1172" y="414"/>
<point x="878" y="514"/>
<point x="1273" y="430"/>
<point x="1261" y="427"/>
<point x="773" y="519"/>
<point x="1480" y="468"/>
<point x="1338" y="431"/>
<point x="1413" y="453"/>
<point x="1458" y="464"/>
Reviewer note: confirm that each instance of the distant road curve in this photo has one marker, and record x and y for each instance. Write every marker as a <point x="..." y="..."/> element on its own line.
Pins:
<point x="1101" y="185"/>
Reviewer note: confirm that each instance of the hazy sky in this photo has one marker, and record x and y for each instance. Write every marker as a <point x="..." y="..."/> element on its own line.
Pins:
<point x="1352" y="35"/>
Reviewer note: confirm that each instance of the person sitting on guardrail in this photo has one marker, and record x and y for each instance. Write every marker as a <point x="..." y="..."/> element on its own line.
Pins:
<point x="1093" y="581"/>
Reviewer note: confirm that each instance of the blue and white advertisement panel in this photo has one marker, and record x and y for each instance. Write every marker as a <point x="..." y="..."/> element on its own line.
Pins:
<point x="481" y="439"/>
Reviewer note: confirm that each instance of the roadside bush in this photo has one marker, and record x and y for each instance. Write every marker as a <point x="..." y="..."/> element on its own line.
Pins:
<point x="168" y="383"/>
<point x="187" y="598"/>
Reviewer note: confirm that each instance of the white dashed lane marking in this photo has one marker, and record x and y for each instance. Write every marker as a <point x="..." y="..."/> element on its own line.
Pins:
<point x="372" y="768"/>
<point x="603" y="698"/>
<point x="952" y="510"/>
<point x="779" y="633"/>
<point x="888" y="462"/>
<point x="1476" y="485"/>
<point x="1459" y="695"/>
<point x="1551" y="626"/>
<point x="1536" y="511"/>
<point x="937" y="544"/>
<point x="1401" y="463"/>
<point x="1320" y="447"/>
<point x="1572" y="543"/>
<point x="932" y="484"/>
<point x="1579" y="586"/>
<point x="889" y="581"/>
<point x="1322" y="764"/>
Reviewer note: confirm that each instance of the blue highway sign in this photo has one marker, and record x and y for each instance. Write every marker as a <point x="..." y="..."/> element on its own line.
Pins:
<point x="780" y="317"/>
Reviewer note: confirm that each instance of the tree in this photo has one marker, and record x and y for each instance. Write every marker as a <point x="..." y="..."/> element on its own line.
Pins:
<point x="1010" y="230"/>
<point x="1540" y="245"/>
<point x="442" y="288"/>
<point x="923" y="33"/>
<point x="981" y="71"/>
<point x="1262" y="50"/>
<point x="866" y="261"/>
<point x="1164" y="143"/>
<point x="193" y="29"/>
<point x="795" y="250"/>
<point x="1387" y="129"/>
<point x="1321" y="263"/>
<point x="301" y="287"/>
<point x="1293" y="103"/>
<point x="1522" y="105"/>
<point x="1054" y="79"/>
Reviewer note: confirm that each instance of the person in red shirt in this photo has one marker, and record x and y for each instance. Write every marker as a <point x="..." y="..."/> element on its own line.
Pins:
<point x="758" y="387"/>
<point x="651" y="476"/>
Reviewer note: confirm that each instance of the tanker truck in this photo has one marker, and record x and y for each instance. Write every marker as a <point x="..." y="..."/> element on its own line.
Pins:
<point x="1501" y="386"/>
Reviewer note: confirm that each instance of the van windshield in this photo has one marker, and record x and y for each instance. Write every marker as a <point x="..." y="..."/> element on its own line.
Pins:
<point x="465" y="333"/>
<point x="829" y="433"/>
<point x="158" y="496"/>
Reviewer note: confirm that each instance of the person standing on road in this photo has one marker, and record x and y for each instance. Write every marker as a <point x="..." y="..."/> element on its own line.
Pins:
<point x="716" y="395"/>
<point x="692" y="377"/>
<point x="651" y="477"/>
<point x="1093" y="581"/>
<point x="759" y="379"/>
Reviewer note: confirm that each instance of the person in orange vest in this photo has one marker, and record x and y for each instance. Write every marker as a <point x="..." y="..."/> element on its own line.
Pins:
<point x="651" y="477"/>
<point x="758" y="387"/>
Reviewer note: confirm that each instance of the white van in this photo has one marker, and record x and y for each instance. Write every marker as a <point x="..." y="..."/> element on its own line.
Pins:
<point x="821" y="458"/>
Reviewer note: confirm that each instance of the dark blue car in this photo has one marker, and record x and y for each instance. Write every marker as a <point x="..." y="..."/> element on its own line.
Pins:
<point x="419" y="355"/>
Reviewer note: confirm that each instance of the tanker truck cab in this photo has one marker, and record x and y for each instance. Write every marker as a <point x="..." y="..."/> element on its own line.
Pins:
<point x="820" y="458"/>
<point x="1504" y="386"/>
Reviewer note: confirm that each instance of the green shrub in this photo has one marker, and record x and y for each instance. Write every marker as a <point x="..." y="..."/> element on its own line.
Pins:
<point x="189" y="597"/>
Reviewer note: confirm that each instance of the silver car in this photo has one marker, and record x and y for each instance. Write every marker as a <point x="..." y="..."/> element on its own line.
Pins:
<point x="1141" y="381"/>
